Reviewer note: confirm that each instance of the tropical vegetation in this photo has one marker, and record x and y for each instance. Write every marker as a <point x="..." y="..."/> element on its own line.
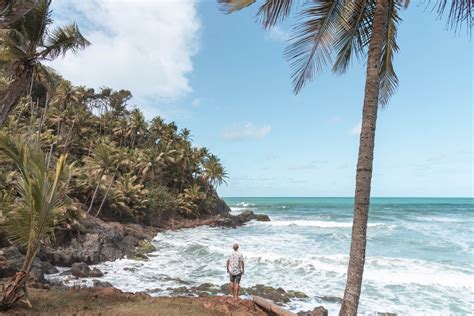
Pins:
<point x="68" y="152"/>
<point x="332" y="32"/>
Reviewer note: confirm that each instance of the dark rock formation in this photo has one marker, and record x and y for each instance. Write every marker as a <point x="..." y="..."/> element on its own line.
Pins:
<point x="100" y="284"/>
<point x="318" y="311"/>
<point x="82" y="270"/>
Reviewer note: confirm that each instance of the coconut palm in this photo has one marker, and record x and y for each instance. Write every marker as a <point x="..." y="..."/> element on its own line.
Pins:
<point x="26" y="45"/>
<point x="34" y="214"/>
<point x="98" y="163"/>
<point x="13" y="10"/>
<point x="344" y="28"/>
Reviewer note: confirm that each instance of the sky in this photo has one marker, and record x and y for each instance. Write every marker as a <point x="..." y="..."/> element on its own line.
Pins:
<point x="228" y="81"/>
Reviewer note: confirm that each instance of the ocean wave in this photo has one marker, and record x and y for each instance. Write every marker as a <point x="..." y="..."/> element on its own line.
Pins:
<point x="244" y="204"/>
<point x="322" y="224"/>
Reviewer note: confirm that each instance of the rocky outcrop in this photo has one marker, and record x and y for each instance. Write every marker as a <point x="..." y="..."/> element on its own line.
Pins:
<point x="82" y="270"/>
<point x="98" y="241"/>
<point x="277" y="295"/>
<point x="318" y="311"/>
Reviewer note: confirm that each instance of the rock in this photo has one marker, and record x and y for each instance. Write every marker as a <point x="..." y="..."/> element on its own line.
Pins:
<point x="48" y="268"/>
<point x="12" y="261"/>
<point x="276" y="295"/>
<point x="262" y="218"/>
<point x="330" y="299"/>
<point x="318" y="311"/>
<point x="96" y="273"/>
<point x="80" y="270"/>
<point x="247" y="215"/>
<point x="100" y="284"/>
<point x="220" y="207"/>
<point x="296" y="294"/>
<point x="386" y="314"/>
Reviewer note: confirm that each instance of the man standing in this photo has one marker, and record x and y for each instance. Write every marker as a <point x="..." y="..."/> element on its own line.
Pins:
<point x="235" y="268"/>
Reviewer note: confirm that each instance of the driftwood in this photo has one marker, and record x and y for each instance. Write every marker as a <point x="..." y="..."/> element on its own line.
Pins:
<point x="271" y="308"/>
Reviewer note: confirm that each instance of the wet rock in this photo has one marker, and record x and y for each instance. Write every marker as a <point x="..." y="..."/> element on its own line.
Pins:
<point x="130" y="269"/>
<point x="48" y="268"/>
<point x="96" y="273"/>
<point x="330" y="299"/>
<point x="276" y="295"/>
<point x="386" y="314"/>
<point x="262" y="218"/>
<point x="10" y="262"/>
<point x="318" y="311"/>
<point x="82" y="270"/>
<point x="100" y="284"/>
<point x="296" y="294"/>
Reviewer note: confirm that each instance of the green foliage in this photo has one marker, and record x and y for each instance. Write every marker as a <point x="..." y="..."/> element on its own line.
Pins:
<point x="161" y="204"/>
<point x="39" y="203"/>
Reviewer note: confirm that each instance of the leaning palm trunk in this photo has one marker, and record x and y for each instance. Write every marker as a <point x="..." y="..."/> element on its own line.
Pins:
<point x="95" y="191"/>
<point x="107" y="192"/>
<point x="16" y="291"/>
<point x="364" y="165"/>
<point x="12" y="95"/>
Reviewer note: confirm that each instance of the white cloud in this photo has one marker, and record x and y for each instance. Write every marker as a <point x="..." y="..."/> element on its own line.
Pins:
<point x="247" y="131"/>
<point x="356" y="129"/>
<point x="277" y="34"/>
<point x="144" y="46"/>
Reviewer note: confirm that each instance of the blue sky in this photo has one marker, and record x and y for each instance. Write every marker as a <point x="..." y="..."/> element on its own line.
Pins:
<point x="227" y="80"/>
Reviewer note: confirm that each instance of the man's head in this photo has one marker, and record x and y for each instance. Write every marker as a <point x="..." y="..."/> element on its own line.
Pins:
<point x="236" y="247"/>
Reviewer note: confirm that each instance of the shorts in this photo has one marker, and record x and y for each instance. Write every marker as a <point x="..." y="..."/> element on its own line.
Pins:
<point x="235" y="278"/>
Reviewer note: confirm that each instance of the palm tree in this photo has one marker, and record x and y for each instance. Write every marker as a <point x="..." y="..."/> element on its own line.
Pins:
<point x="99" y="162"/>
<point x="33" y="216"/>
<point x="345" y="28"/>
<point x="28" y="43"/>
<point x="13" y="10"/>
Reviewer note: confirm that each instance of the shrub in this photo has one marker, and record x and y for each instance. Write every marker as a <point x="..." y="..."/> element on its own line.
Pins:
<point x="161" y="205"/>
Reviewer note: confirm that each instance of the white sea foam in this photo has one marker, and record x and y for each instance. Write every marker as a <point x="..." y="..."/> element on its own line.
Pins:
<point x="244" y="204"/>
<point x="311" y="223"/>
<point x="281" y="253"/>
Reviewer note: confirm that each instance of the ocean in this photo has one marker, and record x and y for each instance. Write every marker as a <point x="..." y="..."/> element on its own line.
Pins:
<point x="420" y="254"/>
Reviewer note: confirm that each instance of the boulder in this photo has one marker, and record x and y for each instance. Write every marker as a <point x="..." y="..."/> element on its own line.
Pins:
<point x="80" y="270"/>
<point x="318" y="311"/>
<point x="278" y="295"/>
<point x="262" y="218"/>
<point x="100" y="284"/>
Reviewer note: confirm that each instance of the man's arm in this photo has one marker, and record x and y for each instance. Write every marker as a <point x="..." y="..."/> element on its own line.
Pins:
<point x="227" y="265"/>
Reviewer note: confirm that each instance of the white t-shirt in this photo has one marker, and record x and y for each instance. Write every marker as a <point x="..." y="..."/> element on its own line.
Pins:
<point x="235" y="263"/>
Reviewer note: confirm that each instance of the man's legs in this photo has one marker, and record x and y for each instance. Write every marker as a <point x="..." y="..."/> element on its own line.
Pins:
<point x="237" y="288"/>
<point x="232" y="289"/>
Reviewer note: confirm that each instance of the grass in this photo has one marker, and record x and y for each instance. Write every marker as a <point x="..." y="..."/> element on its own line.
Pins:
<point x="109" y="301"/>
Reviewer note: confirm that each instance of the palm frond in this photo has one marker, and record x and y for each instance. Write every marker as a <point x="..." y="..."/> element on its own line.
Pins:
<point x="354" y="36"/>
<point x="459" y="13"/>
<point x="388" y="77"/>
<point x="312" y="40"/>
<point x="63" y="39"/>
<point x="231" y="6"/>
<point x="274" y="11"/>
<point x="35" y="22"/>
<point x="13" y="10"/>
<point x="34" y="214"/>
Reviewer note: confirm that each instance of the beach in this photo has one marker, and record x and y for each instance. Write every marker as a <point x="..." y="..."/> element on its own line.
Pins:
<point x="419" y="255"/>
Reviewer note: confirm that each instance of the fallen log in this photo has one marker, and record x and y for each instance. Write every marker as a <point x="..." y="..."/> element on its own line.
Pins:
<point x="271" y="308"/>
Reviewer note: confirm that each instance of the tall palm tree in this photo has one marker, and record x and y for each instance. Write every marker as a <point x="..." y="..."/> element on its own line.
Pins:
<point x="344" y="28"/>
<point x="34" y="214"/>
<point x="13" y="10"/>
<point x="26" y="45"/>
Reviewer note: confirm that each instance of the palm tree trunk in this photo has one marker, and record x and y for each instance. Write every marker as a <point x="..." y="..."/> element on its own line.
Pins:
<point x="108" y="190"/>
<point x="355" y="269"/>
<point x="17" y="290"/>
<point x="95" y="191"/>
<point x="13" y="94"/>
